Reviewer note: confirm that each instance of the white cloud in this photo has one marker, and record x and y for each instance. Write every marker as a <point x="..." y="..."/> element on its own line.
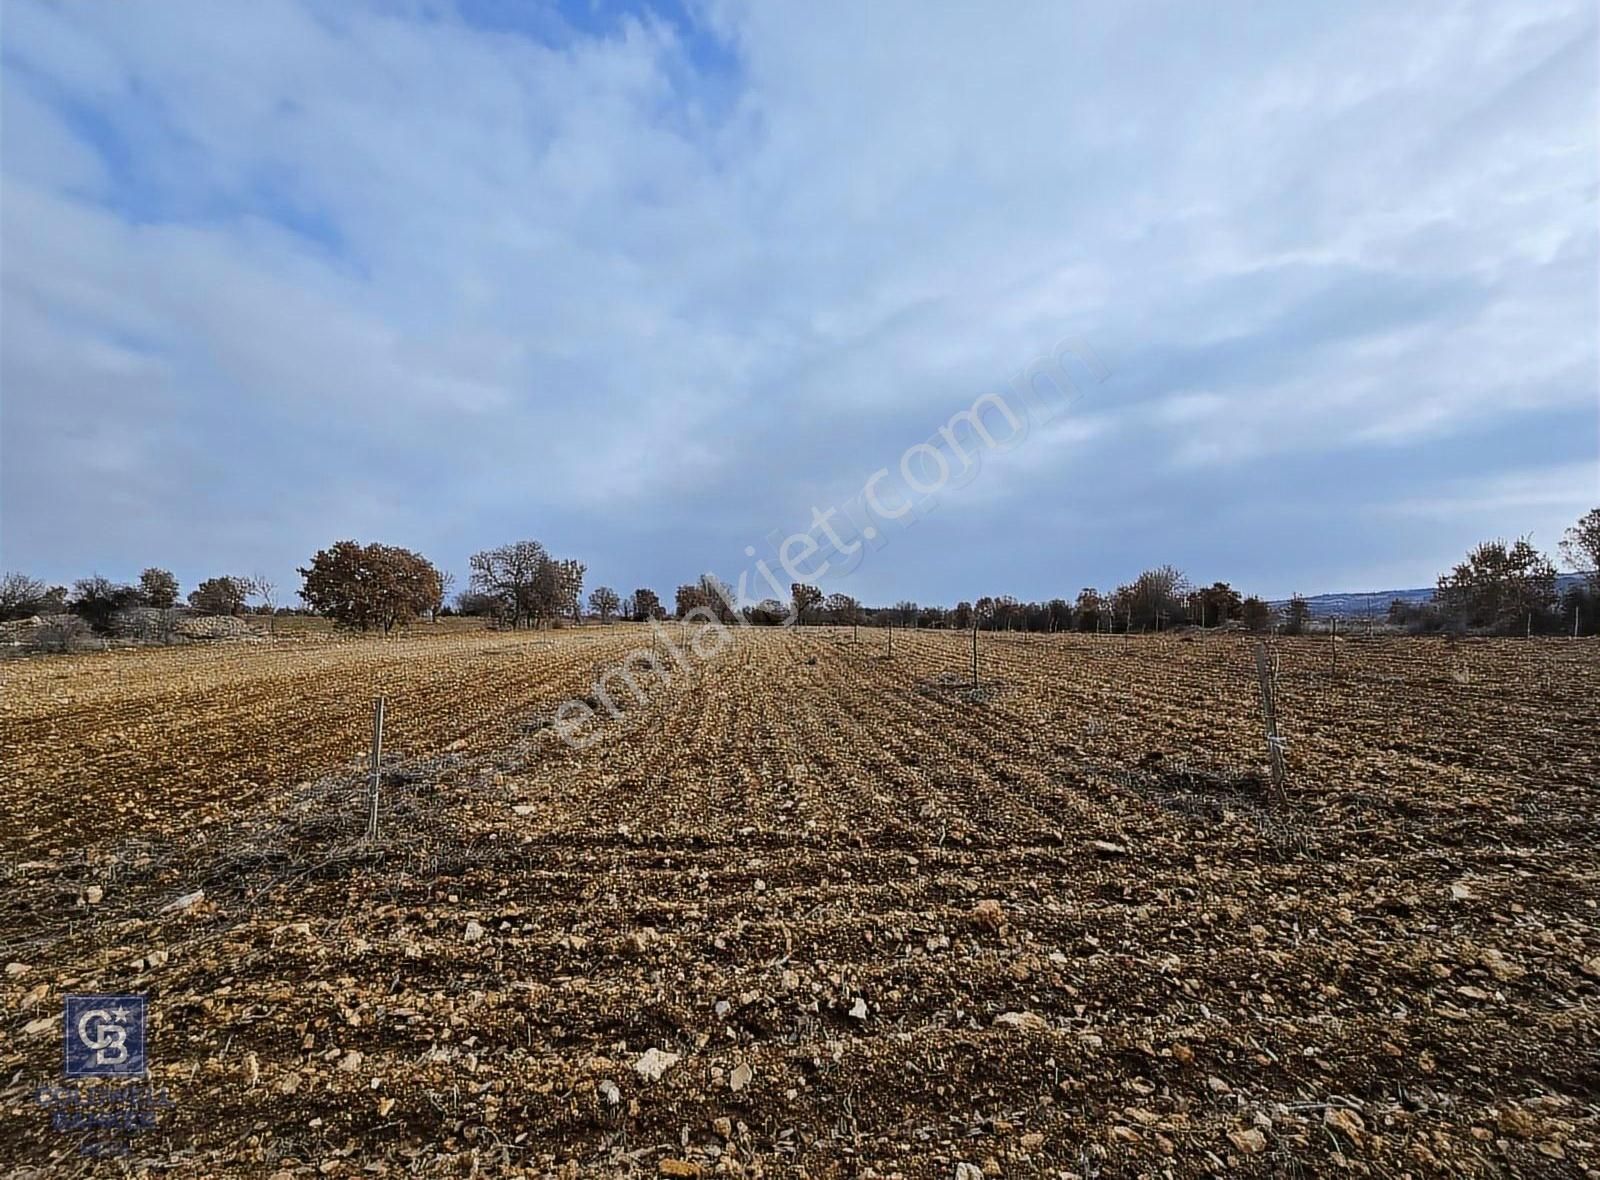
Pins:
<point x="1560" y="494"/>
<point x="349" y="268"/>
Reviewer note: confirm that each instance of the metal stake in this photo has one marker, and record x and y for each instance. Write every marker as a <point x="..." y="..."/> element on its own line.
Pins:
<point x="377" y="755"/>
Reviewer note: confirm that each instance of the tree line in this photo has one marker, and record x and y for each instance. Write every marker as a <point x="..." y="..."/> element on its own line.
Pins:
<point x="1498" y="588"/>
<point x="97" y="600"/>
<point x="1157" y="598"/>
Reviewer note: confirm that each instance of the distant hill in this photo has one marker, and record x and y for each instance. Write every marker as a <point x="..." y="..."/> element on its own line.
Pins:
<point x="1376" y="602"/>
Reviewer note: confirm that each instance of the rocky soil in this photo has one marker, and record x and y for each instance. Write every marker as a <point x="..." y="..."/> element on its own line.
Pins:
<point x="810" y="910"/>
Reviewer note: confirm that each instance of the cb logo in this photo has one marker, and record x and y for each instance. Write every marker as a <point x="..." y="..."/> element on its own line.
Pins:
<point x="104" y="1036"/>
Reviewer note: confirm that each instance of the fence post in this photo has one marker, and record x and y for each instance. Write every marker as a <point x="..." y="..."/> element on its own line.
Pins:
<point x="377" y="756"/>
<point x="891" y="639"/>
<point x="1269" y="713"/>
<point x="1334" y="643"/>
<point x="974" y="659"/>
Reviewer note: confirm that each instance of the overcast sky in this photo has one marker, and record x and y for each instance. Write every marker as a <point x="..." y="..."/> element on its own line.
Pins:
<point x="650" y="285"/>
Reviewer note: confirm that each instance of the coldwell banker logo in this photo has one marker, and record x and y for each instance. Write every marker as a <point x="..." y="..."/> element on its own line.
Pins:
<point x="104" y="1036"/>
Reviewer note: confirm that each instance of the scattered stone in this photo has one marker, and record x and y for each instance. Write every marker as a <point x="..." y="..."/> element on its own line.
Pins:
<point x="653" y="1063"/>
<point x="1348" y="1121"/>
<point x="1502" y="968"/>
<point x="187" y="902"/>
<point x="1028" y="1020"/>
<point x="1516" y="1122"/>
<point x="987" y="915"/>
<point x="1248" y="1142"/>
<point x="1102" y="991"/>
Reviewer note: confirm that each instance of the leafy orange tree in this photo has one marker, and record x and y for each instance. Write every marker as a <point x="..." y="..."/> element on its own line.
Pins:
<point x="220" y="596"/>
<point x="371" y="586"/>
<point x="1580" y="547"/>
<point x="1498" y="586"/>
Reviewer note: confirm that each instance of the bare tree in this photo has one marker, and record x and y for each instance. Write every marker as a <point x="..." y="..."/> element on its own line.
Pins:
<point x="689" y="597"/>
<point x="646" y="605"/>
<point x="805" y="598"/>
<point x="528" y="584"/>
<point x="604" y="602"/>
<point x="259" y="585"/>
<point x="507" y="575"/>
<point x="719" y="597"/>
<point x="21" y="596"/>
<point x="447" y="582"/>
<point x="842" y="609"/>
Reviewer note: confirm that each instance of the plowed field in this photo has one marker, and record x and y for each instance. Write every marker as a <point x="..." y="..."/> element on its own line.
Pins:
<point x="812" y="909"/>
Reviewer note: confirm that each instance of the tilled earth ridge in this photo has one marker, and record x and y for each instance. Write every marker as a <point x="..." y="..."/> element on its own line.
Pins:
<point x="815" y="910"/>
